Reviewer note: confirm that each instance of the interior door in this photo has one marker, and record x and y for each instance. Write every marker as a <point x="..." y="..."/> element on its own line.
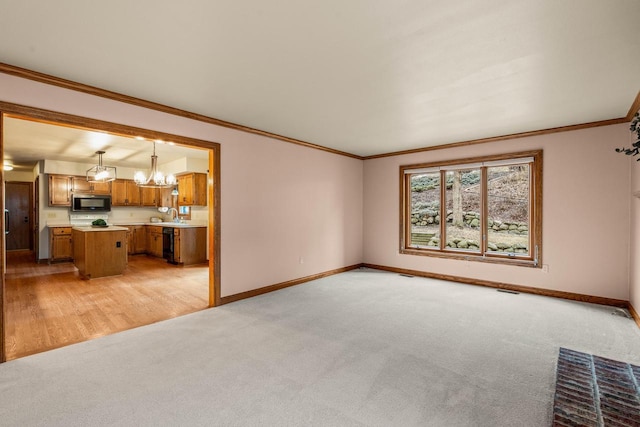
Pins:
<point x="18" y="205"/>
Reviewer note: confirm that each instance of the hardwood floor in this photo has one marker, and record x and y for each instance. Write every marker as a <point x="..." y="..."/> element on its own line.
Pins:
<point x="50" y="306"/>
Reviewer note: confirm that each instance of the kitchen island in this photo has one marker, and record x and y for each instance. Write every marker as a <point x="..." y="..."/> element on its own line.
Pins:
<point x="100" y="251"/>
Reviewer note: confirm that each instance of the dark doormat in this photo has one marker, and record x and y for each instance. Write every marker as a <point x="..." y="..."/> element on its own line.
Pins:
<point x="594" y="391"/>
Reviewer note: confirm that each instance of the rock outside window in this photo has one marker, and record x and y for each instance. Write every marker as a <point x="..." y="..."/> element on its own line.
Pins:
<point x="480" y="209"/>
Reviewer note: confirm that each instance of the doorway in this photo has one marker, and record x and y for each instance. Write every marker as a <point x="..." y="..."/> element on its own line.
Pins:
<point x="211" y="276"/>
<point x="19" y="216"/>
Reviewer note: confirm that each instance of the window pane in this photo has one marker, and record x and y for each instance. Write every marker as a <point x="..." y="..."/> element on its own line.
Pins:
<point x="463" y="209"/>
<point x="425" y="210"/>
<point x="508" y="209"/>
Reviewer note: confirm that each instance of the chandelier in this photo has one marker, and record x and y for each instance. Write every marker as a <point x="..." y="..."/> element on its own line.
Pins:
<point x="100" y="173"/>
<point x="155" y="179"/>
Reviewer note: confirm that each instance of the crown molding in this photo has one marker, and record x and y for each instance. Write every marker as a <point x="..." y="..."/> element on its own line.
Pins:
<point x="91" y="90"/>
<point x="68" y="84"/>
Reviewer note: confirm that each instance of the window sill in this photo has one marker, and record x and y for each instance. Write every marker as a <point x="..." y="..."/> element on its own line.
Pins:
<point x="492" y="259"/>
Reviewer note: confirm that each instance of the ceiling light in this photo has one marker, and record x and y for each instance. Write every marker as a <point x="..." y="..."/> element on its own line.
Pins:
<point x="8" y="165"/>
<point x="155" y="178"/>
<point x="100" y="173"/>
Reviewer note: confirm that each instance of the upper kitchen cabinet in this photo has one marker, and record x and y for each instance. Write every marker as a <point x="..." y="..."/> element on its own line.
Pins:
<point x="149" y="196"/>
<point x="80" y="185"/>
<point x="61" y="187"/>
<point x="125" y="192"/>
<point x="59" y="190"/>
<point x="192" y="189"/>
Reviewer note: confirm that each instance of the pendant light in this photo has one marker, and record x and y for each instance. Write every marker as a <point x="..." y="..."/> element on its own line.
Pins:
<point x="100" y="173"/>
<point x="155" y="179"/>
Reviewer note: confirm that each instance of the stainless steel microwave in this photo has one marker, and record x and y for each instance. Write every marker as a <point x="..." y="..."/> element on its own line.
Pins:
<point x="91" y="203"/>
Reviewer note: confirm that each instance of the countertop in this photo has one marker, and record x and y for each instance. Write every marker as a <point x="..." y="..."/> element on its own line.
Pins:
<point x="109" y="228"/>
<point x="163" y="224"/>
<point x="124" y="224"/>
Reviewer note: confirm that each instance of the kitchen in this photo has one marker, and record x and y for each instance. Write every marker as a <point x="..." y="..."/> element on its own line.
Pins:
<point x="165" y="227"/>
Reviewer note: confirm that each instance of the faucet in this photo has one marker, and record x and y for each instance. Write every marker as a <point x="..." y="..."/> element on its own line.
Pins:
<point x="177" y="218"/>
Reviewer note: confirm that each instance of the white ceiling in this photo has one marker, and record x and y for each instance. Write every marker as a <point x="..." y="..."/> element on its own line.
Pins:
<point x="365" y="77"/>
<point x="26" y="142"/>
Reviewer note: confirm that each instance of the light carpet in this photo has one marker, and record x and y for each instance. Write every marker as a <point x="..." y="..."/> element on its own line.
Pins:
<point x="362" y="348"/>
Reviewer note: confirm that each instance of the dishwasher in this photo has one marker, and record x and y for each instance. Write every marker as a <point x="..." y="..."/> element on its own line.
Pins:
<point x="168" y="247"/>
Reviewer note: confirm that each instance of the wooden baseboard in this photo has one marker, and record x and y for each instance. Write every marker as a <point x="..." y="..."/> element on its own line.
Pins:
<point x="466" y="280"/>
<point x="634" y="314"/>
<point x="507" y="286"/>
<point x="255" y="292"/>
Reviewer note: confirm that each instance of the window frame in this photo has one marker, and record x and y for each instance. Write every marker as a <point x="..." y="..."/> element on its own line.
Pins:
<point x="532" y="259"/>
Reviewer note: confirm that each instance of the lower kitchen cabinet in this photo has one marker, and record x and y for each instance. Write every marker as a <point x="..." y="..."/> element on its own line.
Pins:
<point x="137" y="240"/>
<point x="60" y="244"/>
<point x="190" y="245"/>
<point x="154" y="239"/>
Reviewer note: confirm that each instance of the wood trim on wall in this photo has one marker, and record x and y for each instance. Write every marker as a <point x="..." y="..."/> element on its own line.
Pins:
<point x="507" y="286"/>
<point x="534" y="259"/>
<point x="634" y="313"/>
<point x="103" y="93"/>
<point x="63" y="119"/>
<point x="502" y="138"/>
<point x="215" y="219"/>
<point x="634" y="108"/>
<point x="91" y="90"/>
<point x="31" y="113"/>
<point x="458" y="279"/>
<point x="3" y="354"/>
<point x="266" y="289"/>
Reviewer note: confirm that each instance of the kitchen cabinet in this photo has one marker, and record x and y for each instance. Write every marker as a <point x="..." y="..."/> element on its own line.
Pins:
<point x="59" y="190"/>
<point x="99" y="252"/>
<point x="125" y="192"/>
<point x="154" y="239"/>
<point x="60" y="244"/>
<point x="149" y="196"/>
<point x="80" y="185"/>
<point x="190" y="245"/>
<point x="192" y="189"/>
<point x="61" y="187"/>
<point x="137" y="239"/>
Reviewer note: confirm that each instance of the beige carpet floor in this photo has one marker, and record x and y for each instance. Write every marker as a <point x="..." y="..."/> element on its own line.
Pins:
<point x="363" y="348"/>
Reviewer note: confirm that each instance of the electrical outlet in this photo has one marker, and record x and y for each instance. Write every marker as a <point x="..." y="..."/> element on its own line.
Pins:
<point x="51" y="215"/>
<point x="301" y="260"/>
<point x="545" y="268"/>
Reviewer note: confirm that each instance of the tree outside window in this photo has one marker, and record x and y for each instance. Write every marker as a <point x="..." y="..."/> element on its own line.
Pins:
<point x="486" y="208"/>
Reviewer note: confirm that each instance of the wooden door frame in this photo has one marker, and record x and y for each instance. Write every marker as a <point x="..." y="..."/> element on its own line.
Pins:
<point x="31" y="205"/>
<point x="3" y="250"/>
<point x="63" y="119"/>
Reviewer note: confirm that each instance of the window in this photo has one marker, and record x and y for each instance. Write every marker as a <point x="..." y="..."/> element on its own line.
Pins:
<point x="485" y="209"/>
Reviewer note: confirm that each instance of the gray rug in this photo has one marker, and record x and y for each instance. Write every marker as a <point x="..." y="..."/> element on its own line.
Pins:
<point x="595" y="391"/>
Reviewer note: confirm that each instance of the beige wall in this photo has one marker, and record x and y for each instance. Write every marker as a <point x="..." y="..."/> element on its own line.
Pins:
<point x="281" y="203"/>
<point x="585" y="185"/>
<point x="290" y="211"/>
